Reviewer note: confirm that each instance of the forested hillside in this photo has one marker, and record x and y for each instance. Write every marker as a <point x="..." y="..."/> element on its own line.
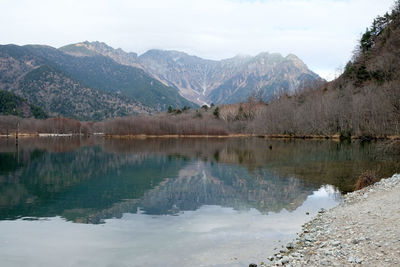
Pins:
<point x="60" y="95"/>
<point x="363" y="101"/>
<point x="105" y="74"/>
<point x="10" y="104"/>
<point x="89" y="88"/>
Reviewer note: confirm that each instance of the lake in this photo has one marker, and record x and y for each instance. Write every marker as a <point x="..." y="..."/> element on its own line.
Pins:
<point x="168" y="202"/>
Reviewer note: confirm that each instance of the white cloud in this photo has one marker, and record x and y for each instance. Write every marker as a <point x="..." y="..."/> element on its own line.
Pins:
<point x="321" y="32"/>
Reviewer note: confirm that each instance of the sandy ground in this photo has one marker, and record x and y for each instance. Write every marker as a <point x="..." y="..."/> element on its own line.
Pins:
<point x="364" y="230"/>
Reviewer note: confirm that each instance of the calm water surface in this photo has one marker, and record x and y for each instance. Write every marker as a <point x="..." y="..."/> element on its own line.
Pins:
<point x="168" y="202"/>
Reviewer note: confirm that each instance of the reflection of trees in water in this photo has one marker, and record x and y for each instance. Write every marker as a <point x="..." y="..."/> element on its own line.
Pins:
<point x="12" y="164"/>
<point x="88" y="180"/>
<point x="50" y="144"/>
<point x="318" y="161"/>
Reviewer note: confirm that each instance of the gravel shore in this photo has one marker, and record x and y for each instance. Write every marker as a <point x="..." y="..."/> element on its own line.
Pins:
<point x="364" y="230"/>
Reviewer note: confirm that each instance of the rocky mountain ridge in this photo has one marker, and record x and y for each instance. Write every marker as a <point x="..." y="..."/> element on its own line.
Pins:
<point x="93" y="81"/>
<point x="205" y="81"/>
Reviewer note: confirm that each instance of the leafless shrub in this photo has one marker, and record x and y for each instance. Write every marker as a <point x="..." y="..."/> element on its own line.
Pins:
<point x="366" y="179"/>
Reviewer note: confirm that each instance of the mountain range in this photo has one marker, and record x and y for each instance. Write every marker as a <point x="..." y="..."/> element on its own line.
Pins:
<point x="93" y="81"/>
<point x="204" y="81"/>
<point x="84" y="88"/>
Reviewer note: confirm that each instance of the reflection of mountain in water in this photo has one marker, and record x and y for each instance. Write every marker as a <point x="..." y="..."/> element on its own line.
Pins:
<point x="81" y="182"/>
<point x="88" y="180"/>
<point x="225" y="185"/>
<point x="317" y="161"/>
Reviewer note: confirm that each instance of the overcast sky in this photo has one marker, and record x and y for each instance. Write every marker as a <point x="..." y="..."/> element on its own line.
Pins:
<point x="323" y="33"/>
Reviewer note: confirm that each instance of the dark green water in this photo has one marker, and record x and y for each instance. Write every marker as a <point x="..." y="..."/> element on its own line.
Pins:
<point x="168" y="202"/>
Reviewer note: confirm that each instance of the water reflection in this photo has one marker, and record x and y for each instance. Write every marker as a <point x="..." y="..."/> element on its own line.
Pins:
<point x="209" y="236"/>
<point x="89" y="180"/>
<point x="202" y="183"/>
<point x="167" y="202"/>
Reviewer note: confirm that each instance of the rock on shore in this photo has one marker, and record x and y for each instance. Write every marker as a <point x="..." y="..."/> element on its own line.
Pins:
<point x="364" y="230"/>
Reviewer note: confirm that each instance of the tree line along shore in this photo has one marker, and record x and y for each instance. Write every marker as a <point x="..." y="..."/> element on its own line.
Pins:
<point x="276" y="119"/>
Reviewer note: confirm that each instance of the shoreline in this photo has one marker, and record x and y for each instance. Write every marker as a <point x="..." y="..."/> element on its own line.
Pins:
<point x="362" y="230"/>
<point x="335" y="137"/>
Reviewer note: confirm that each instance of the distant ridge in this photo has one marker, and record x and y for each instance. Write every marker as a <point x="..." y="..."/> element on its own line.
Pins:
<point x="93" y="81"/>
<point x="204" y="81"/>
